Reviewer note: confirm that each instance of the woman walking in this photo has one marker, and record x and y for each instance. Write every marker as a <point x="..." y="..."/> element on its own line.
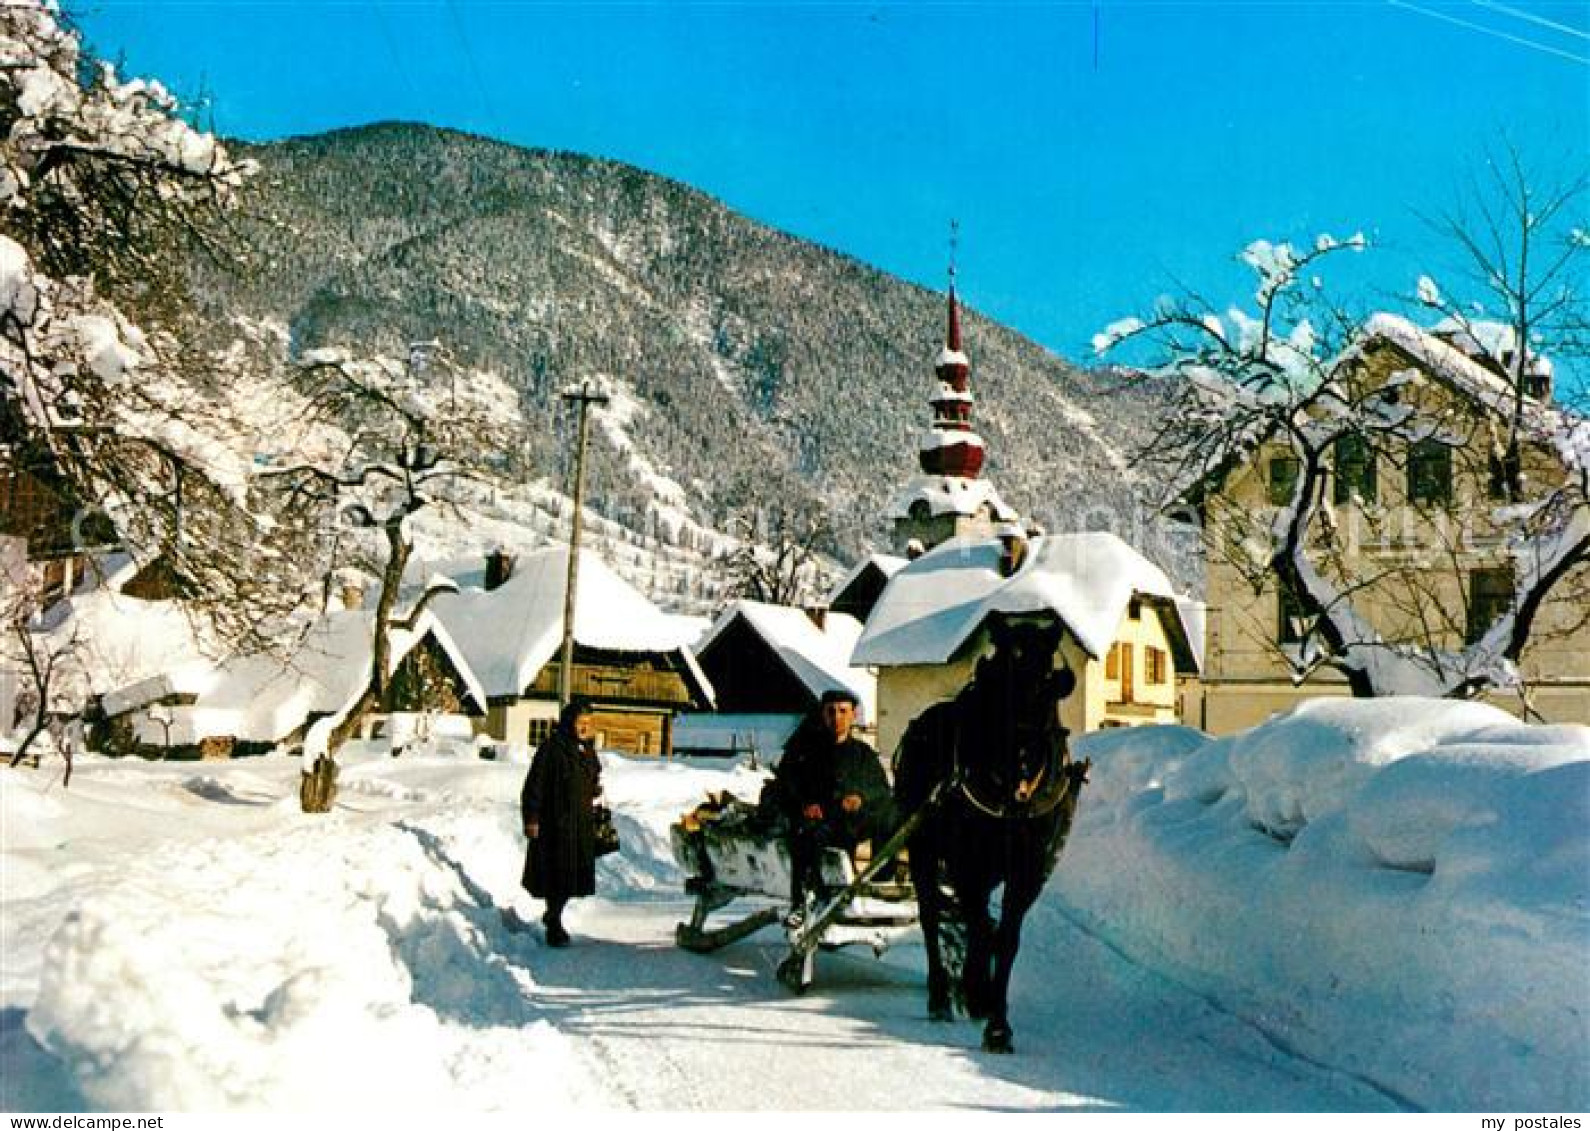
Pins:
<point x="563" y="783"/>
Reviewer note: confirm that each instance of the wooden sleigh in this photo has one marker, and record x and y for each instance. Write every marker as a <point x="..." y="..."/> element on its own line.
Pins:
<point x="729" y="851"/>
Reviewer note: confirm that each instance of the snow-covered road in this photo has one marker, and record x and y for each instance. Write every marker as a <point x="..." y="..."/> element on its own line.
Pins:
<point x="180" y="937"/>
<point x="675" y="1030"/>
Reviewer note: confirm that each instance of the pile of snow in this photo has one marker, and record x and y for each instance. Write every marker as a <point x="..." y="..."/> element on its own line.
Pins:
<point x="186" y="940"/>
<point x="1399" y="888"/>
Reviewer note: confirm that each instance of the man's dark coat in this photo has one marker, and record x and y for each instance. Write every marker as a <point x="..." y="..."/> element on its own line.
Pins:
<point x="563" y="781"/>
<point x="816" y="769"/>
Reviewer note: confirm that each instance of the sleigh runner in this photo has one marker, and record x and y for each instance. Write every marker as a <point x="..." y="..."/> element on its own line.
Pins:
<point x="730" y="850"/>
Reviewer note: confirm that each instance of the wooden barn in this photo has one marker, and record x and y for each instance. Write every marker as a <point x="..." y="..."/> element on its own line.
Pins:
<point x="632" y="660"/>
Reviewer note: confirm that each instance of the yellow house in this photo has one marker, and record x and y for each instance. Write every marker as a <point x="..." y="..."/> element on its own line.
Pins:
<point x="1410" y="529"/>
<point x="1126" y="631"/>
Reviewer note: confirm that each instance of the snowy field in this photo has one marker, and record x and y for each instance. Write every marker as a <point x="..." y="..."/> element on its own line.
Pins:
<point x="1363" y="907"/>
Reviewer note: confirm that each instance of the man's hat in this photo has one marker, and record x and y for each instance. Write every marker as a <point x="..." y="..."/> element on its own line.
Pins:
<point x="841" y="695"/>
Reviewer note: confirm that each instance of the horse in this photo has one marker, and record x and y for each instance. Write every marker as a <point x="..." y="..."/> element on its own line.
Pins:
<point x="993" y="772"/>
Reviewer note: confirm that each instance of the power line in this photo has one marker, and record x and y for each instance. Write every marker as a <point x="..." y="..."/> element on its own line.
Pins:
<point x="487" y="107"/>
<point x="1493" y="32"/>
<point x="1530" y="17"/>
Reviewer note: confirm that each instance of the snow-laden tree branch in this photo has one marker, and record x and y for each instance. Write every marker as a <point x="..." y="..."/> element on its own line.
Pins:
<point x="105" y="194"/>
<point x="381" y="441"/>
<point x="1308" y="402"/>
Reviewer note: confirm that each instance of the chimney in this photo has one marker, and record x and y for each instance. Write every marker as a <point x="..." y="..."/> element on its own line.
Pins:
<point x="499" y="568"/>
<point x="1013" y="548"/>
<point x="818" y="615"/>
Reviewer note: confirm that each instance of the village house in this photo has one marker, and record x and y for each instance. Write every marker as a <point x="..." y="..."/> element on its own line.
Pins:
<point x="858" y="591"/>
<point x="46" y="548"/>
<point x="1127" y="633"/>
<point x="770" y="665"/>
<point x="632" y="660"/>
<point x="253" y="704"/>
<point x="1427" y="564"/>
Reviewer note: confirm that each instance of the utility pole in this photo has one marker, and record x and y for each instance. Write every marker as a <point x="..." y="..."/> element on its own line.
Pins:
<point x="585" y="398"/>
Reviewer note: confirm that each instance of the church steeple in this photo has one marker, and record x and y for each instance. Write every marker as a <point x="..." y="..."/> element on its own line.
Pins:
<point x="950" y="447"/>
<point x="948" y="499"/>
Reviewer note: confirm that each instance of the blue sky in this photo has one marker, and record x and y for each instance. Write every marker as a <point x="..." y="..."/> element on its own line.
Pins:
<point x="1093" y="152"/>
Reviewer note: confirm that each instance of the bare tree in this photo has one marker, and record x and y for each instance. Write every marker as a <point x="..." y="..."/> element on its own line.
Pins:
<point x="1522" y="246"/>
<point x="778" y="559"/>
<point x="1292" y="382"/>
<point x="395" y="436"/>
<point x="41" y="661"/>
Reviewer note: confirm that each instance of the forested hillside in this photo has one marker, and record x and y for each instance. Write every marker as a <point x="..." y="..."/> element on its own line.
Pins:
<point x="759" y="366"/>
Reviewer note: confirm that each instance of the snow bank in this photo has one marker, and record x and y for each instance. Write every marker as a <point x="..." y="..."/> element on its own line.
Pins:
<point x="188" y="941"/>
<point x="330" y="963"/>
<point x="1398" y="888"/>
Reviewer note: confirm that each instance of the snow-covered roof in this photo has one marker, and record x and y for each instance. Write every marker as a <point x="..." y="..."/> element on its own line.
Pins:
<point x="818" y="657"/>
<point x="1443" y="359"/>
<point x="934" y="438"/>
<point x="948" y="494"/>
<point x="886" y="564"/>
<point x="510" y="633"/>
<point x="1483" y="338"/>
<point x="264" y="698"/>
<point x="938" y="602"/>
<point x="766" y="734"/>
<point x="109" y="641"/>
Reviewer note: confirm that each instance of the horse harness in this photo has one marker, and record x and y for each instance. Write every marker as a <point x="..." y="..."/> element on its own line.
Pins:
<point x="1030" y="803"/>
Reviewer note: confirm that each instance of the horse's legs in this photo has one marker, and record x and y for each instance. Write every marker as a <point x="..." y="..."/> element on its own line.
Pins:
<point x="930" y="909"/>
<point x="1021" y="892"/>
<point x="977" y="978"/>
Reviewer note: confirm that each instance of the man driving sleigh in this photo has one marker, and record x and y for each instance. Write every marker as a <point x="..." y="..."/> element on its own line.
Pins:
<point x="831" y="791"/>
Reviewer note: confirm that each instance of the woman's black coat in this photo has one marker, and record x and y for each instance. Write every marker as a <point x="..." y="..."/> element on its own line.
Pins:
<point x="563" y="781"/>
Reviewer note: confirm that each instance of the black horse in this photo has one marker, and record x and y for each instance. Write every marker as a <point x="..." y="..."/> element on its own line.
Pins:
<point x="994" y="767"/>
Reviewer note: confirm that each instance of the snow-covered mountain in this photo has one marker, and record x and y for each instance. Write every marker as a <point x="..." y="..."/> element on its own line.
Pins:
<point x="749" y="364"/>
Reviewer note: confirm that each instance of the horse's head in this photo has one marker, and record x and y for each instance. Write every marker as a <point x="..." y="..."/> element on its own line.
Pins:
<point x="1012" y="714"/>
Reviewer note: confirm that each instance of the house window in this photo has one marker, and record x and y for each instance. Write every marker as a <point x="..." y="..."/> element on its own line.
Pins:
<point x="1294" y="622"/>
<point x="1490" y="596"/>
<point x="1430" y="472"/>
<point x="1156" y="667"/>
<point x="1134" y="609"/>
<point x="541" y="730"/>
<point x="1355" y="469"/>
<point x="1112" y="662"/>
<point x="1503" y="472"/>
<point x="1284" y="472"/>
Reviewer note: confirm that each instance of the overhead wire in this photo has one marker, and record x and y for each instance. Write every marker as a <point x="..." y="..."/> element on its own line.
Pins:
<point x="487" y="104"/>
<point x="1495" y="33"/>
<point x="1531" y="17"/>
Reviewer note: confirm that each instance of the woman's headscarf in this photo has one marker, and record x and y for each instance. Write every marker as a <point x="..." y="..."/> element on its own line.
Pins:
<point x="579" y="705"/>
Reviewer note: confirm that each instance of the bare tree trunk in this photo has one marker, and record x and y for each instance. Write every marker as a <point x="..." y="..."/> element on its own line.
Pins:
<point x="317" y="791"/>
<point x="40" y="672"/>
<point x="317" y="786"/>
